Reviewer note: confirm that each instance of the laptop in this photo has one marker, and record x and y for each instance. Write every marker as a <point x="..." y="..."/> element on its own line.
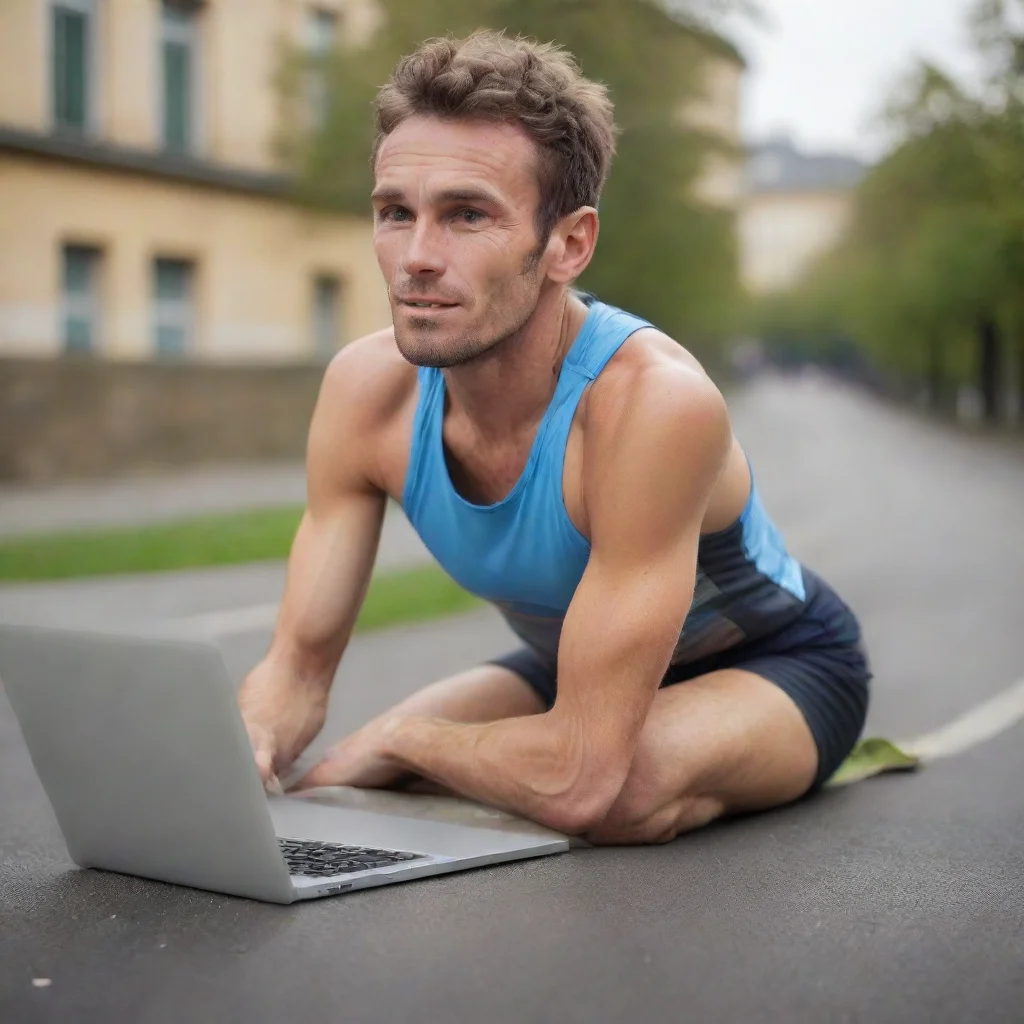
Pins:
<point x="141" y="748"/>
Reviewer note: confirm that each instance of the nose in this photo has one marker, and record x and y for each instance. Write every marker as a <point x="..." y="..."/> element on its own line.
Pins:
<point x="424" y="254"/>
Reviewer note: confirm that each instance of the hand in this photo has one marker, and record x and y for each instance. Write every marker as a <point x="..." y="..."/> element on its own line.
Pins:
<point x="360" y="760"/>
<point x="282" y="716"/>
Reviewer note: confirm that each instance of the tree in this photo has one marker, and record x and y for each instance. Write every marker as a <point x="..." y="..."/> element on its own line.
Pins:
<point x="930" y="278"/>
<point x="662" y="253"/>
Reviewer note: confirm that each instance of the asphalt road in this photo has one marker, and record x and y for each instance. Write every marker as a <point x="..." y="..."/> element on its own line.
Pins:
<point x="898" y="899"/>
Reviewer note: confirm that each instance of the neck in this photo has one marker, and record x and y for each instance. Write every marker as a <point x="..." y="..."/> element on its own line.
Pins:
<point x="509" y="387"/>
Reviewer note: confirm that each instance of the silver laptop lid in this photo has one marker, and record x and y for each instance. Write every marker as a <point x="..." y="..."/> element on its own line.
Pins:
<point x="142" y="751"/>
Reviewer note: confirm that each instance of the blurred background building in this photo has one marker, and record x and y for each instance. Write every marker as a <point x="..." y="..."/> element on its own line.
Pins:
<point x="796" y="207"/>
<point x="172" y="281"/>
<point x="144" y="211"/>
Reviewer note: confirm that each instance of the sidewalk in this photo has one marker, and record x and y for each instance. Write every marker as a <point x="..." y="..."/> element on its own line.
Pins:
<point x="145" y="500"/>
<point x="159" y="498"/>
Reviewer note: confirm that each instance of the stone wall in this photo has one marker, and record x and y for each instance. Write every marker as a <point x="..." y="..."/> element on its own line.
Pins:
<point x="64" y="419"/>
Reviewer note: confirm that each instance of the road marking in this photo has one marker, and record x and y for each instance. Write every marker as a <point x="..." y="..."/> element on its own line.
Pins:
<point x="230" y="621"/>
<point x="980" y="724"/>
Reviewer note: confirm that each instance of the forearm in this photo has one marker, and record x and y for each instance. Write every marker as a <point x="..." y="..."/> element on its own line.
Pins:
<point x="526" y="766"/>
<point x="285" y="675"/>
<point x="328" y="573"/>
<point x="298" y="664"/>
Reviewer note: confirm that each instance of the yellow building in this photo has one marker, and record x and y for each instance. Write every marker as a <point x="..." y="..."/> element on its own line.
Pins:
<point x="796" y="208"/>
<point x="142" y="211"/>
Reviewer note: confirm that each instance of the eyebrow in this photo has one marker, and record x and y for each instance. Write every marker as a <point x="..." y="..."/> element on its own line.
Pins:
<point x="387" y="195"/>
<point x="451" y="195"/>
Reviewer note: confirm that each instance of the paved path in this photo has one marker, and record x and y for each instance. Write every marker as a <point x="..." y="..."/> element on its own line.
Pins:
<point x="152" y="499"/>
<point x="900" y="899"/>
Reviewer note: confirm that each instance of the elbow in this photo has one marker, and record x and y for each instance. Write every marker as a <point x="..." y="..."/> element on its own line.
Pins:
<point x="579" y="784"/>
<point x="580" y="812"/>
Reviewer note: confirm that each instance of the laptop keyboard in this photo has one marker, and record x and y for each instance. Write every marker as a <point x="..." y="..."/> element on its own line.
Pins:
<point x="320" y="860"/>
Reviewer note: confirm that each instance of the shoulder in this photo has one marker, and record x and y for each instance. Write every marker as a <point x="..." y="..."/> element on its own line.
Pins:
<point x="367" y="381"/>
<point x="655" y="392"/>
<point x="365" y="395"/>
<point x="656" y="441"/>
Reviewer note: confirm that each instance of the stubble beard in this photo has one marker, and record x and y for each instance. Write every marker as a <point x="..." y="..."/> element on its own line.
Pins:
<point x="475" y="344"/>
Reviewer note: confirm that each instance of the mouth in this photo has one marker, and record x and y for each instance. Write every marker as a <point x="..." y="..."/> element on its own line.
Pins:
<point x="421" y="304"/>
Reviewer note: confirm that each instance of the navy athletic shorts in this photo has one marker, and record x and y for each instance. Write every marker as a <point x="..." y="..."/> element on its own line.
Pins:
<point x="818" y="660"/>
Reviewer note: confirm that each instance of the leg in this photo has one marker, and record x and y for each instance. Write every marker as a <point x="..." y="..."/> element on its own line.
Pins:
<point x="482" y="694"/>
<point x="723" y="743"/>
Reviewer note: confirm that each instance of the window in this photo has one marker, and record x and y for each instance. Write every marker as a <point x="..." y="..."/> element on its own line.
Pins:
<point x="173" y="319"/>
<point x="80" y="298"/>
<point x="179" y="60"/>
<point x="326" y="316"/>
<point x="321" y="31"/>
<point x="73" y="29"/>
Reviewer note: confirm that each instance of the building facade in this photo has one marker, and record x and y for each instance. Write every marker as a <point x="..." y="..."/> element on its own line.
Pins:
<point x="144" y="214"/>
<point x="796" y="207"/>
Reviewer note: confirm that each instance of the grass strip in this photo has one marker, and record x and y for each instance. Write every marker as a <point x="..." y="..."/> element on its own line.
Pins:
<point x="395" y="597"/>
<point x="412" y="595"/>
<point x="223" y="539"/>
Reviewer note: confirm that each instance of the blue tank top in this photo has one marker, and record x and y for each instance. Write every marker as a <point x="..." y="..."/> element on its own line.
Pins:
<point x="524" y="555"/>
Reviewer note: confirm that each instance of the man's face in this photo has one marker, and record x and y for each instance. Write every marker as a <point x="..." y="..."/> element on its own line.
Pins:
<point x="455" y="236"/>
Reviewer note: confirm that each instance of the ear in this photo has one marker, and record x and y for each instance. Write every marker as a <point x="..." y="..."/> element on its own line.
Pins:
<point x="572" y="245"/>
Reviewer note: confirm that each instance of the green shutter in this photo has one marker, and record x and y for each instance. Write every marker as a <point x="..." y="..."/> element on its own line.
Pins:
<point x="172" y="280"/>
<point x="77" y="271"/>
<point x="77" y="334"/>
<point x="70" y="68"/>
<point x="172" y="295"/>
<point x="325" y="316"/>
<point x="79" y="298"/>
<point x="177" y="97"/>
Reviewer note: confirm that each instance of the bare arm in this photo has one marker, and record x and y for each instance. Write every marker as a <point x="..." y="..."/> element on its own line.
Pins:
<point x="652" y="459"/>
<point x="284" y="698"/>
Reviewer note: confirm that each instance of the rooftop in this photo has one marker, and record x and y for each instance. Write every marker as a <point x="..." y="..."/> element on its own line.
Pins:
<point x="778" y="166"/>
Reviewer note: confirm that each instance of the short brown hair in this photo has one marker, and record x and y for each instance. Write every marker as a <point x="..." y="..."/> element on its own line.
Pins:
<point x="538" y="86"/>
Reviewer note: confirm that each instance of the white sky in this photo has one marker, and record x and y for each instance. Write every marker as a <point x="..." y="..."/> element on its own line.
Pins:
<point x="820" y="70"/>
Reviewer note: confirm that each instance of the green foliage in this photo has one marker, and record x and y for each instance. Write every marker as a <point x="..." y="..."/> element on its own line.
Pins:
<point x="936" y="247"/>
<point x="662" y="253"/>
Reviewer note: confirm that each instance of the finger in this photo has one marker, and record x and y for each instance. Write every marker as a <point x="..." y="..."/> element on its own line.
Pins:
<point x="325" y="773"/>
<point x="264" y="763"/>
<point x="273" y="785"/>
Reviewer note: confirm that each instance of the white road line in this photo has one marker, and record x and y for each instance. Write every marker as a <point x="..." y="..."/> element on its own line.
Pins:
<point x="978" y="725"/>
<point x="230" y="621"/>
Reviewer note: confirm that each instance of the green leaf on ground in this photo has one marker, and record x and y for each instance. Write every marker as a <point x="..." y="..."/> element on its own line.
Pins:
<point x="872" y="757"/>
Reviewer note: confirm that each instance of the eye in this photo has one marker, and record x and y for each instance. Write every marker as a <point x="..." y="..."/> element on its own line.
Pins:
<point x="399" y="214"/>
<point x="470" y="216"/>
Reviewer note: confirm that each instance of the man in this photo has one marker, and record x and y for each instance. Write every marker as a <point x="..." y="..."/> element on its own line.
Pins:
<point x="566" y="461"/>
